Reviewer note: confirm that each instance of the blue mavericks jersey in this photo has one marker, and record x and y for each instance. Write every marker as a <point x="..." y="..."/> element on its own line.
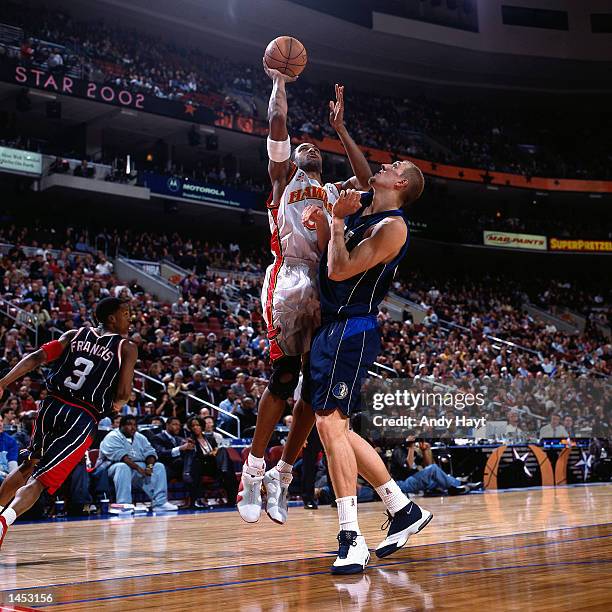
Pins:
<point x="361" y="294"/>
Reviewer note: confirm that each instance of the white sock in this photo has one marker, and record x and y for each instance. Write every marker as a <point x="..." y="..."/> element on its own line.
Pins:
<point x="256" y="462"/>
<point x="392" y="496"/>
<point x="9" y="516"/>
<point x="347" y="514"/>
<point x="283" y="466"/>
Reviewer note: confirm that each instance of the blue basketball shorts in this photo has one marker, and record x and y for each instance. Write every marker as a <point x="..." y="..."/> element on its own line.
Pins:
<point x="342" y="352"/>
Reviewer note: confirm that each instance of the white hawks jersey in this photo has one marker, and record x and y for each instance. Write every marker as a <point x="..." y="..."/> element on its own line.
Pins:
<point x="289" y="236"/>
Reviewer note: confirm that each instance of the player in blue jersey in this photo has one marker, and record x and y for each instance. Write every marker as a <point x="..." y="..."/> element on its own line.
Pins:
<point x="368" y="238"/>
<point x="90" y="374"/>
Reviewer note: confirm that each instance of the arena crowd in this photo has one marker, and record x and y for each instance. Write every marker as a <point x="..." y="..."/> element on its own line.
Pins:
<point x="461" y="133"/>
<point x="210" y="343"/>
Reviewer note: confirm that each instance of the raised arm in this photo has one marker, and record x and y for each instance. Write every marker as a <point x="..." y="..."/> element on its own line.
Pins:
<point x="359" y="163"/>
<point x="129" y="355"/>
<point x="48" y="352"/>
<point x="381" y="246"/>
<point x="279" y="146"/>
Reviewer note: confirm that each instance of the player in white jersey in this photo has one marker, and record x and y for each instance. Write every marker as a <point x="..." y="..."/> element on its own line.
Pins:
<point x="290" y="295"/>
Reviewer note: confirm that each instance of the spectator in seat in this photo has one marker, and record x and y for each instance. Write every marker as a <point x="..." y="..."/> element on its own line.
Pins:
<point x="132" y="407"/>
<point x="513" y="427"/>
<point x="239" y="386"/>
<point x="209" y="428"/>
<point x="198" y="387"/>
<point x="408" y="457"/>
<point x="147" y="413"/>
<point x="180" y="308"/>
<point x="9" y="414"/>
<point x="24" y="433"/>
<point x="133" y="462"/>
<point x="106" y="424"/>
<point x="431" y="478"/>
<point x="228" y="372"/>
<point x="229" y="403"/>
<point x="208" y="460"/>
<point x="166" y="406"/>
<point x="211" y="368"/>
<point x="9" y="453"/>
<point x="176" y="385"/>
<point x="247" y="414"/>
<point x="26" y="400"/>
<point x="548" y="367"/>
<point x="399" y="371"/>
<point x="187" y="346"/>
<point x="196" y="364"/>
<point x="104" y="267"/>
<point x="554" y="429"/>
<point x="568" y="423"/>
<point x="171" y="448"/>
<point x="55" y="62"/>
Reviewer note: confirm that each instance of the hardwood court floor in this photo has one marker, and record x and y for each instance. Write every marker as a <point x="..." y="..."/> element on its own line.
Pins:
<point x="521" y="550"/>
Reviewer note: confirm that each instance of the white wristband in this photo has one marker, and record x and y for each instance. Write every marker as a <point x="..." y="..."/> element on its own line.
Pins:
<point x="279" y="150"/>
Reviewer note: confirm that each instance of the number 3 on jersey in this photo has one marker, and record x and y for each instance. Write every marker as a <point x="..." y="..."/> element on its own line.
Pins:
<point x="81" y="374"/>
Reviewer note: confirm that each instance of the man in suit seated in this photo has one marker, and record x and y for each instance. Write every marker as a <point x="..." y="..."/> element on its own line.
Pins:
<point x="171" y="448"/>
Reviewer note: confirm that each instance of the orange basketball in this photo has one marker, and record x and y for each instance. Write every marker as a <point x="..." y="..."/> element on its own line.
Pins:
<point x="287" y="55"/>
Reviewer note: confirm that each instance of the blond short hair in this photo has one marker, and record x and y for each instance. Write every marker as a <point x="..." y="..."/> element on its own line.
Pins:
<point x="416" y="183"/>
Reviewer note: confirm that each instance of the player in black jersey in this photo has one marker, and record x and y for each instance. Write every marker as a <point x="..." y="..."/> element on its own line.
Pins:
<point x="91" y="376"/>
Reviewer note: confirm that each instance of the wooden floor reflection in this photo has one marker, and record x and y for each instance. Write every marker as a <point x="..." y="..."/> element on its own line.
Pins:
<point x="520" y="550"/>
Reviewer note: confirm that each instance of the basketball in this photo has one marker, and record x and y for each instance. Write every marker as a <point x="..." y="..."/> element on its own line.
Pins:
<point x="287" y="55"/>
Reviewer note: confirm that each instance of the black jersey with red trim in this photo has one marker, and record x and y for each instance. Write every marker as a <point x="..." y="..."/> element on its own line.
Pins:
<point x="87" y="372"/>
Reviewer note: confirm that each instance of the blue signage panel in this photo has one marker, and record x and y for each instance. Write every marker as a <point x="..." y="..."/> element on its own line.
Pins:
<point x="186" y="189"/>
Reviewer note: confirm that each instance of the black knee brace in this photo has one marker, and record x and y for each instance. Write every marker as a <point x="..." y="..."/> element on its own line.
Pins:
<point x="285" y="376"/>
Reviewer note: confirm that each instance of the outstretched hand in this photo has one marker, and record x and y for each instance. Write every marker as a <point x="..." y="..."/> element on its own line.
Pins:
<point x="348" y="203"/>
<point x="336" y="109"/>
<point x="276" y="75"/>
<point x="312" y="215"/>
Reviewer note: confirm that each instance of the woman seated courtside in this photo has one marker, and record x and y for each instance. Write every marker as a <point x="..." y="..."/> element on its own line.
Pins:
<point x="207" y="459"/>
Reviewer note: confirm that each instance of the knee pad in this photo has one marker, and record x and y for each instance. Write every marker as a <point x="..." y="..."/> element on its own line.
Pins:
<point x="285" y="376"/>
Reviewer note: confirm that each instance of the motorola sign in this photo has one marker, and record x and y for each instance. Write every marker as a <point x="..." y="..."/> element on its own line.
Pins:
<point x="174" y="184"/>
<point x="195" y="191"/>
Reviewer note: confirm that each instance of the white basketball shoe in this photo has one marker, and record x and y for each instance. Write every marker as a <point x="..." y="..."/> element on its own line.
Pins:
<point x="353" y="554"/>
<point x="277" y="491"/>
<point x="248" y="500"/>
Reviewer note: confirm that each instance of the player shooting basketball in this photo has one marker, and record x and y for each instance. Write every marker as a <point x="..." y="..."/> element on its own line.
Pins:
<point x="290" y="296"/>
